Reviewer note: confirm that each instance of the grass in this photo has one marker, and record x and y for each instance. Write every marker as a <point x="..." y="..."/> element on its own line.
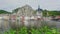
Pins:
<point x="25" y="30"/>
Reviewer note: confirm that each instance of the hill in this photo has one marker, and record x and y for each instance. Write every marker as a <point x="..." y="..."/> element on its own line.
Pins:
<point x="4" y="12"/>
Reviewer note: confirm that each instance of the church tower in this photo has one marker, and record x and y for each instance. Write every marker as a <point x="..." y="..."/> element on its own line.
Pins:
<point x="39" y="12"/>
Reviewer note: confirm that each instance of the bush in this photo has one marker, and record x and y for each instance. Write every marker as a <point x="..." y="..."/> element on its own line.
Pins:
<point x="25" y="30"/>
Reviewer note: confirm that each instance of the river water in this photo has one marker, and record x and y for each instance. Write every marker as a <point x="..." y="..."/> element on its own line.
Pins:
<point x="36" y="23"/>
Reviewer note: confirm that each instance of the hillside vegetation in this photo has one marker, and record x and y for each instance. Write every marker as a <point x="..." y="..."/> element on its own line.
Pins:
<point x="4" y="12"/>
<point x="51" y="13"/>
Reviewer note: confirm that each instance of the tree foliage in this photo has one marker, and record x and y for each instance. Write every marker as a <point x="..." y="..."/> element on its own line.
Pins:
<point x="51" y="13"/>
<point x="4" y="12"/>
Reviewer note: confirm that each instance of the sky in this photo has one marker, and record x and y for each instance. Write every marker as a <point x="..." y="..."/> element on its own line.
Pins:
<point x="9" y="5"/>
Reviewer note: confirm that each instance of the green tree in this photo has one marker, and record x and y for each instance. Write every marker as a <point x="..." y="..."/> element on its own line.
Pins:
<point x="4" y="12"/>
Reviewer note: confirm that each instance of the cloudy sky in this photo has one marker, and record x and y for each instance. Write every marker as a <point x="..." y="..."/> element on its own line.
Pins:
<point x="9" y="5"/>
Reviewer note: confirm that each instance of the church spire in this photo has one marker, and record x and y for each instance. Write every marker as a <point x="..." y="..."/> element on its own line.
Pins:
<point x="39" y="9"/>
<point x="38" y="6"/>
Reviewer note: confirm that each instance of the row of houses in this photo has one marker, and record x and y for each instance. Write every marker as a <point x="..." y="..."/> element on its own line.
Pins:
<point x="24" y="16"/>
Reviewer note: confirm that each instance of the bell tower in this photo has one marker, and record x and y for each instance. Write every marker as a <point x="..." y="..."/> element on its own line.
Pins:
<point x="39" y="12"/>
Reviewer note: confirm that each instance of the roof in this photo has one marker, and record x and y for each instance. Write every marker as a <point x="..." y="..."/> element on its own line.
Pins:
<point x="39" y="9"/>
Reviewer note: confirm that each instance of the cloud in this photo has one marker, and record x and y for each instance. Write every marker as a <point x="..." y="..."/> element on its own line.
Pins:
<point x="50" y="4"/>
<point x="44" y="4"/>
